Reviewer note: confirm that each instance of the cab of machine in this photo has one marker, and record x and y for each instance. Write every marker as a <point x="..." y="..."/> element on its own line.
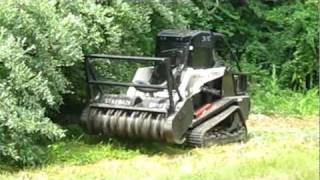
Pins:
<point x="192" y="48"/>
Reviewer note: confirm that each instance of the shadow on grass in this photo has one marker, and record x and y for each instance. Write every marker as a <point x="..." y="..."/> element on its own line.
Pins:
<point x="81" y="148"/>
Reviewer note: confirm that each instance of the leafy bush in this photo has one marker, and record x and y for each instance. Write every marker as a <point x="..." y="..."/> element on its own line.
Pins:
<point x="23" y="125"/>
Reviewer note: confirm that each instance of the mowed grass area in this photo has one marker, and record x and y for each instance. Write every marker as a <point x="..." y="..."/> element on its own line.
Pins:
<point x="278" y="148"/>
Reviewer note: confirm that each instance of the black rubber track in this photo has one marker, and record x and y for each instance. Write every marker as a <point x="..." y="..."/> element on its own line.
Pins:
<point x="206" y="134"/>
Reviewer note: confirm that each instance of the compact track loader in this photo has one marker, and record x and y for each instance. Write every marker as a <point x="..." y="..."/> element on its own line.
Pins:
<point x="187" y="94"/>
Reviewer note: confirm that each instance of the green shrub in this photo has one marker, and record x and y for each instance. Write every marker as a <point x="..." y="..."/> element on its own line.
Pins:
<point x="24" y="129"/>
<point x="36" y="45"/>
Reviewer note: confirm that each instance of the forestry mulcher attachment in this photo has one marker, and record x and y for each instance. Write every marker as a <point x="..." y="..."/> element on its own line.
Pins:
<point x="187" y="94"/>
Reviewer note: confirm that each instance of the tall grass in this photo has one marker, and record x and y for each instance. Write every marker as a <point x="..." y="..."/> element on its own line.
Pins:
<point x="269" y="98"/>
<point x="285" y="102"/>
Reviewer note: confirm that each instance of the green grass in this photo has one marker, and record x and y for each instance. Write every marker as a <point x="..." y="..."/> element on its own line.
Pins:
<point x="91" y="149"/>
<point x="285" y="102"/>
<point x="278" y="148"/>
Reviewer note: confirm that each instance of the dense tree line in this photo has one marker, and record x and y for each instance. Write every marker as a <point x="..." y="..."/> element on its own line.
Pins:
<point x="42" y="45"/>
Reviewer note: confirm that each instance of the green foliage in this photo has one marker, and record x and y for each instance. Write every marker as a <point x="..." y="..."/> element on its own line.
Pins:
<point x="269" y="98"/>
<point x="291" y="42"/>
<point x="285" y="102"/>
<point x="281" y="33"/>
<point x="24" y="128"/>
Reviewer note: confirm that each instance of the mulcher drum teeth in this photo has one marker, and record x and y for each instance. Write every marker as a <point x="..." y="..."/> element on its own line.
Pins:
<point x="122" y="123"/>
